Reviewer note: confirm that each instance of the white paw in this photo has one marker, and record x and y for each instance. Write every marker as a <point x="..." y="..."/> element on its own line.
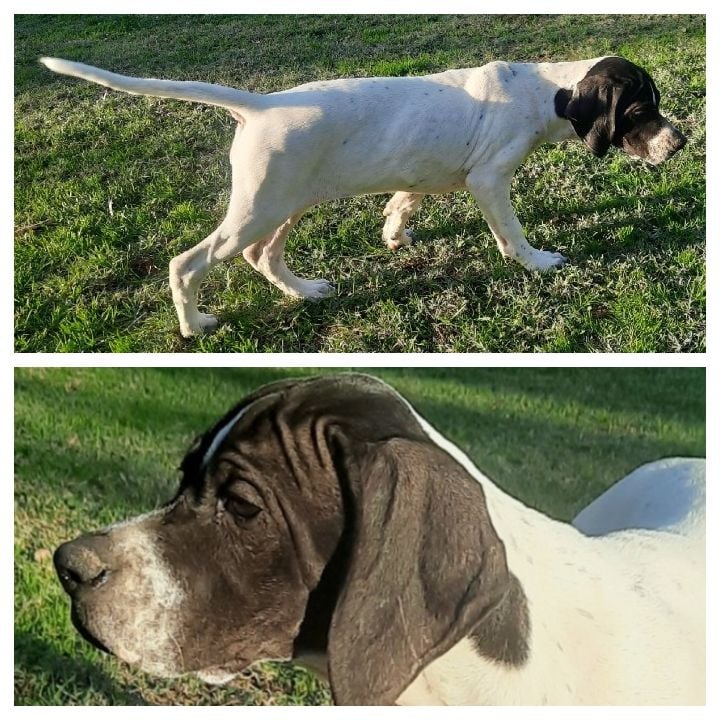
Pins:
<point x="397" y="241"/>
<point x="543" y="261"/>
<point x="205" y="324"/>
<point x="316" y="289"/>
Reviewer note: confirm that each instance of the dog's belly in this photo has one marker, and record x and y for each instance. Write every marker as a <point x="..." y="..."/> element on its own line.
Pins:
<point x="322" y="191"/>
<point x="433" y="185"/>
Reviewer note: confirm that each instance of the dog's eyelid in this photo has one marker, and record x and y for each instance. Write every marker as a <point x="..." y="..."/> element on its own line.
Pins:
<point x="241" y="508"/>
<point x="241" y="490"/>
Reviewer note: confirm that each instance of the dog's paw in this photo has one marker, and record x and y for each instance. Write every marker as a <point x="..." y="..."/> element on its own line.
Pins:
<point x="317" y="289"/>
<point x="543" y="261"/>
<point x="397" y="241"/>
<point x="206" y="323"/>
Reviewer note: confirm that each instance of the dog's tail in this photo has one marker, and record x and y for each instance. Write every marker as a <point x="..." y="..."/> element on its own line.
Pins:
<point x="200" y="92"/>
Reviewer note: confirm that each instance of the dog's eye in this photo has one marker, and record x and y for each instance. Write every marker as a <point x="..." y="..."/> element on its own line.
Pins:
<point x="241" y="499"/>
<point x="241" y="508"/>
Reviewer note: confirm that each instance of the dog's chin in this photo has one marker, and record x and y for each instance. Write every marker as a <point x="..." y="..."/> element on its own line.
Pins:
<point x="216" y="675"/>
<point x="648" y="160"/>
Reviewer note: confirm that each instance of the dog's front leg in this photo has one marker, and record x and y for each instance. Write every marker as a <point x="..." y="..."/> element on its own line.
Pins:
<point x="492" y="193"/>
<point x="399" y="208"/>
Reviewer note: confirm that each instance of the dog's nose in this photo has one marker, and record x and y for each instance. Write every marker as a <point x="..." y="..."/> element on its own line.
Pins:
<point x="78" y="565"/>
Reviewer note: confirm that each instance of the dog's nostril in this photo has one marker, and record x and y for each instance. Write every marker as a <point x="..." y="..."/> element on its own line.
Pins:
<point x="70" y="577"/>
<point x="100" y="579"/>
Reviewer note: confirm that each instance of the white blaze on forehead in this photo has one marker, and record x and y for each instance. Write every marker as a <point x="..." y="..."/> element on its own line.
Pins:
<point x="222" y="433"/>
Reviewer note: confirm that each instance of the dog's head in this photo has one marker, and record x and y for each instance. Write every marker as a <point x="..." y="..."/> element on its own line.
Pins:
<point x="617" y="103"/>
<point x="317" y="516"/>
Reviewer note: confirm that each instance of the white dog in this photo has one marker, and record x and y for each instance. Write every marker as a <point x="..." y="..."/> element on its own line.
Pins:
<point x="460" y="129"/>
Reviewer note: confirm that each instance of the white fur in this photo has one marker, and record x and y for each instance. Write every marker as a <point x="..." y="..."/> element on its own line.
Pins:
<point x="222" y="433"/>
<point x="660" y="145"/>
<point x="460" y="129"/>
<point x="616" y="619"/>
<point x="144" y="631"/>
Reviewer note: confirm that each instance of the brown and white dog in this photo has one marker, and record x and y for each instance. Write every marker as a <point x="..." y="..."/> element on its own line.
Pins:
<point x="466" y="129"/>
<point x="324" y="521"/>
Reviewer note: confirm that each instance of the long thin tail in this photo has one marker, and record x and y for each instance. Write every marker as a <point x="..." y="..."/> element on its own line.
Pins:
<point x="200" y="92"/>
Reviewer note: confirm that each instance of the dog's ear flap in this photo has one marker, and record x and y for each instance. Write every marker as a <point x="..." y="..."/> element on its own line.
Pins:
<point x="425" y="566"/>
<point x="593" y="111"/>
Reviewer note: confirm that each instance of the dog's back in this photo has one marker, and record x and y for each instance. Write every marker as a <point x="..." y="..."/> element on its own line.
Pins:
<point x="663" y="495"/>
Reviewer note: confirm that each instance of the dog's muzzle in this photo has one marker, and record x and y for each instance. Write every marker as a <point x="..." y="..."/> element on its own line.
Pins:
<point x="125" y="598"/>
<point x="665" y="144"/>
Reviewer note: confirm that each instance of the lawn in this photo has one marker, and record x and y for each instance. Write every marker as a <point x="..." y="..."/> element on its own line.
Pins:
<point x="96" y="445"/>
<point x="109" y="187"/>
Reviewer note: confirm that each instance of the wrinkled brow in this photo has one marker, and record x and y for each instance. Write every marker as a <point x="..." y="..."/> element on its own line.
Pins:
<point x="199" y="457"/>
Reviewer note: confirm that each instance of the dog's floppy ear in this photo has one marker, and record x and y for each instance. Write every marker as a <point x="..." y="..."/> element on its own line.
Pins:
<point x="593" y="111"/>
<point x="425" y="566"/>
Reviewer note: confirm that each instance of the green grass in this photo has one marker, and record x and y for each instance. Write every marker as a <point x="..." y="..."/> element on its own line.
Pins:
<point x="96" y="445"/>
<point x="88" y="279"/>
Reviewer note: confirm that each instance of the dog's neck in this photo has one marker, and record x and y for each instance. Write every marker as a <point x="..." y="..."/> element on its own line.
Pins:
<point x="498" y="663"/>
<point x="560" y="78"/>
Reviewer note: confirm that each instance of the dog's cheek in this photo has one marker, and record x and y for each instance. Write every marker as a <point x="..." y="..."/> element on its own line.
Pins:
<point x="247" y="600"/>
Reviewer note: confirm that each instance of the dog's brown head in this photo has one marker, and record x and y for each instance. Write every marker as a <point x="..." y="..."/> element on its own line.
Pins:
<point x="316" y="516"/>
<point x="617" y="103"/>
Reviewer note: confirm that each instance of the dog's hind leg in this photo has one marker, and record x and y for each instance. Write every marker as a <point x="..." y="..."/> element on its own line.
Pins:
<point x="399" y="208"/>
<point x="253" y="213"/>
<point x="246" y="222"/>
<point x="267" y="257"/>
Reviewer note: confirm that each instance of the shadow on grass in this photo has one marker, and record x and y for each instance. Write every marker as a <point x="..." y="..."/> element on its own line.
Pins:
<point x="233" y="47"/>
<point x="648" y="390"/>
<point x="103" y="480"/>
<point x="39" y="661"/>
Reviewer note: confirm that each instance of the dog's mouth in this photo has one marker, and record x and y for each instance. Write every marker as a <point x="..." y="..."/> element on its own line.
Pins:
<point x="87" y="635"/>
<point x="658" y="151"/>
<point x="212" y="676"/>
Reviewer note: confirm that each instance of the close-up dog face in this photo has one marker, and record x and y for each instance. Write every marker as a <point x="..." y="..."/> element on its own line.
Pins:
<point x="299" y="478"/>
<point x="617" y="103"/>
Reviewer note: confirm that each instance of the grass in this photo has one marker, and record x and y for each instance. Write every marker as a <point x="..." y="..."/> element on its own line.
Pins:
<point x="96" y="445"/>
<point x="108" y="188"/>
